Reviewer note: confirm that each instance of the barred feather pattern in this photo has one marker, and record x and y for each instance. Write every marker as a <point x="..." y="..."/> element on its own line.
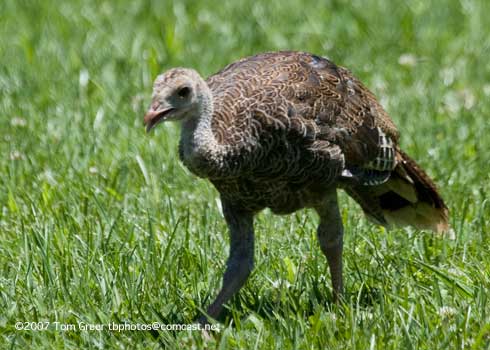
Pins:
<point x="378" y="171"/>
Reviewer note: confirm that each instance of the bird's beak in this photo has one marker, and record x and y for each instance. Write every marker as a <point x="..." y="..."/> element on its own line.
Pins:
<point x="153" y="117"/>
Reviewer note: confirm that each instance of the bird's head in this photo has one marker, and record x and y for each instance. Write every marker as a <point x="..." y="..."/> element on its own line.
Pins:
<point x="177" y="95"/>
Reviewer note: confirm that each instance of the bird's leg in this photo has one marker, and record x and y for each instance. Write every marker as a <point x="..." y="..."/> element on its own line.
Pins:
<point x="330" y="236"/>
<point x="241" y="256"/>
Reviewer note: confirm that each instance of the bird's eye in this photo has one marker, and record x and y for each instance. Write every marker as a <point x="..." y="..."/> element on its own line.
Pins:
<point x="184" y="92"/>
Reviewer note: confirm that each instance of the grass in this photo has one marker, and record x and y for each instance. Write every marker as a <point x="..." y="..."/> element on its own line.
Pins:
<point x="100" y="223"/>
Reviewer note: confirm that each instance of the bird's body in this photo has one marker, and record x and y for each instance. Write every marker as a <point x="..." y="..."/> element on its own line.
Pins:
<point x="283" y="131"/>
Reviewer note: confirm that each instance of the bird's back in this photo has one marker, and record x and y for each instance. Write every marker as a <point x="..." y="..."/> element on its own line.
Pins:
<point x="295" y="86"/>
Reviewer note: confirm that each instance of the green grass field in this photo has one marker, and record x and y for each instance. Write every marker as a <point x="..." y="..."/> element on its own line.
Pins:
<point x="100" y="223"/>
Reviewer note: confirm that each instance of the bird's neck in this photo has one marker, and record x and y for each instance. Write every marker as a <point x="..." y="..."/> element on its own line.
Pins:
<point x="199" y="149"/>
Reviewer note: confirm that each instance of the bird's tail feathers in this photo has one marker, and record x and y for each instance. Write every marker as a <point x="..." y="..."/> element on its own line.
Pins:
<point x="408" y="198"/>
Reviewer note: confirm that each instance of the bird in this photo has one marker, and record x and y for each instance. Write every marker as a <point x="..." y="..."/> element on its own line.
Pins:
<point x="286" y="130"/>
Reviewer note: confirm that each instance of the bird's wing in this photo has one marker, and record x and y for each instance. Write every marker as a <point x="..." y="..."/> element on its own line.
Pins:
<point x="307" y="96"/>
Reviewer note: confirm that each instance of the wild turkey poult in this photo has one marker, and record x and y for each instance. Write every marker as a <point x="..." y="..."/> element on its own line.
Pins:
<point x="284" y="130"/>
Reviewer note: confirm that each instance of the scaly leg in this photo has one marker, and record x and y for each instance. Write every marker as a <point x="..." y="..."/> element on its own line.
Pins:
<point x="330" y="236"/>
<point x="241" y="256"/>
